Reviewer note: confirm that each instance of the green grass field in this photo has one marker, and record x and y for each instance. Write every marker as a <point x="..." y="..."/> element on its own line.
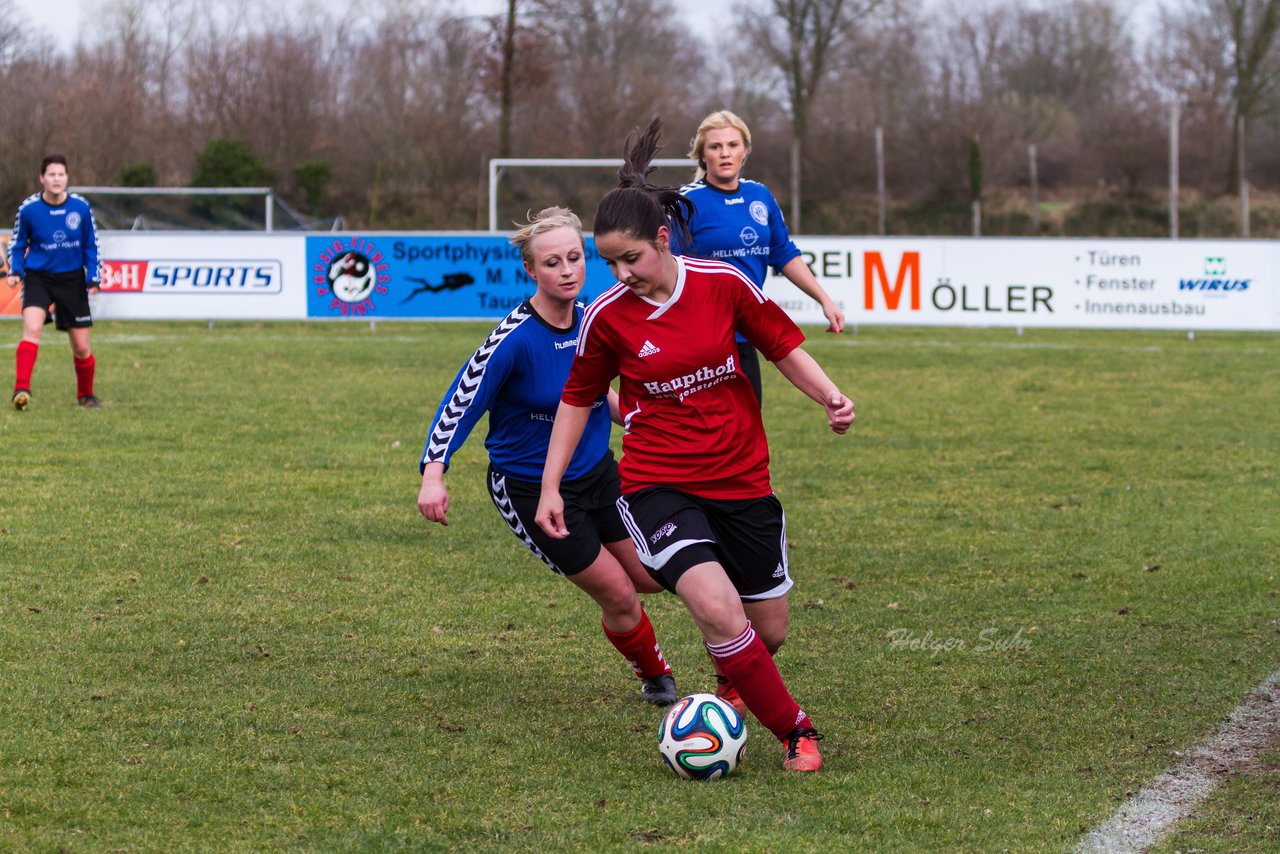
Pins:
<point x="1037" y="567"/>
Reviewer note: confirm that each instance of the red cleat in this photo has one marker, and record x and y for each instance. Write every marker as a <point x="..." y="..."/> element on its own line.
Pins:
<point x="725" y="691"/>
<point x="802" y="750"/>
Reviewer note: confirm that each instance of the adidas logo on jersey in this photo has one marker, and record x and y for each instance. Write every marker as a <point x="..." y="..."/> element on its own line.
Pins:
<point x="648" y="349"/>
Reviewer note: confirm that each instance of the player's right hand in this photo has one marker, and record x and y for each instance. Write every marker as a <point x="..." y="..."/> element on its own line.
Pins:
<point x="550" y="517"/>
<point x="433" y="501"/>
<point x="13" y="281"/>
<point x="840" y="414"/>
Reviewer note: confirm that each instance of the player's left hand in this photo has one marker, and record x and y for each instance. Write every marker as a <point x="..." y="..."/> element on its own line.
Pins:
<point x="12" y="281"/>
<point x="835" y="317"/>
<point x="550" y="515"/>
<point x="840" y="413"/>
<point x="94" y="290"/>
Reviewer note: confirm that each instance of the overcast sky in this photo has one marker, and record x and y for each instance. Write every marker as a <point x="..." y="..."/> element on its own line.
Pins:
<point x="64" y="20"/>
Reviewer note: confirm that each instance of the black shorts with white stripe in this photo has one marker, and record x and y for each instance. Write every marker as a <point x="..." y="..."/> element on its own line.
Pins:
<point x="590" y="514"/>
<point x="674" y="531"/>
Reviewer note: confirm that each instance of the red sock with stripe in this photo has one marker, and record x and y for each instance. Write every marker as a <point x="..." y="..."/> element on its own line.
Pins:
<point x="24" y="364"/>
<point x="746" y="661"/>
<point x="84" y="374"/>
<point x="639" y="647"/>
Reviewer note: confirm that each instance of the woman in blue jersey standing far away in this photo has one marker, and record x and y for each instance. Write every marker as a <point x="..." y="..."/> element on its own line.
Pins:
<point x="739" y="221"/>
<point x="517" y="375"/>
<point x="54" y="256"/>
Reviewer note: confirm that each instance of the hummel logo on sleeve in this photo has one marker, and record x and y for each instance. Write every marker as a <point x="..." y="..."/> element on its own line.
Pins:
<point x="648" y="349"/>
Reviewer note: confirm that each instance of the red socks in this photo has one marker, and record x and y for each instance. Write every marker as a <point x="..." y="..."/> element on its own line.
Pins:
<point x="640" y="648"/>
<point x="747" y="663"/>
<point x="84" y="375"/>
<point x="25" y="363"/>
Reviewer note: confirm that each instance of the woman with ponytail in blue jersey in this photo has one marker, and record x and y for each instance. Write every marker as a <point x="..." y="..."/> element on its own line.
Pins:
<point x="739" y="221"/>
<point x="517" y="376"/>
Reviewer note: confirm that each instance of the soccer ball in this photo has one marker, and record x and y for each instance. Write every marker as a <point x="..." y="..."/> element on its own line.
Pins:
<point x="702" y="737"/>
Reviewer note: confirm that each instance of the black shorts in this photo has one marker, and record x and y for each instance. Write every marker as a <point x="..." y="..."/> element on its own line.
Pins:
<point x="590" y="514"/>
<point x="64" y="292"/>
<point x="674" y="531"/>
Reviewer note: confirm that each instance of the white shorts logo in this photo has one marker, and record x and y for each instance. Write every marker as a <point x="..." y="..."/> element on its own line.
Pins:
<point x="665" y="531"/>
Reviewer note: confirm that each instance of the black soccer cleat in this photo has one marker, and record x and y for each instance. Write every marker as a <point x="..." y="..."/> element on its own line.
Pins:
<point x="660" y="690"/>
<point x="21" y="398"/>
<point x="88" y="401"/>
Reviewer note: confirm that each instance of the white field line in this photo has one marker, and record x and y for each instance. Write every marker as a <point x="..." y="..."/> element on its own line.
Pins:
<point x="1151" y="814"/>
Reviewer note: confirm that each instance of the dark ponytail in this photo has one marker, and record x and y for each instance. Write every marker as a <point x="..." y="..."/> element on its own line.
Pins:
<point x="635" y="207"/>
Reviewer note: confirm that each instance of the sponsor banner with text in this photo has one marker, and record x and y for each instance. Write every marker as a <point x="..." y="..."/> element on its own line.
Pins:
<point x="1118" y="284"/>
<point x="458" y="276"/>
<point x="216" y="276"/>
<point x="1121" y="284"/>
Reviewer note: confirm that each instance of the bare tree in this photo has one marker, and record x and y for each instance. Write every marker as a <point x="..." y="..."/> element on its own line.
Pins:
<point x="617" y="63"/>
<point x="799" y="37"/>
<point x="1255" y="58"/>
<point x="1223" y="56"/>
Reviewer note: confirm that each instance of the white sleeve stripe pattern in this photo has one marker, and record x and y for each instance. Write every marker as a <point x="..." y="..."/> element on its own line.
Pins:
<point x="589" y="315"/>
<point x="705" y="265"/>
<point x="468" y="383"/>
<point x="17" y="226"/>
<point x="502" y="500"/>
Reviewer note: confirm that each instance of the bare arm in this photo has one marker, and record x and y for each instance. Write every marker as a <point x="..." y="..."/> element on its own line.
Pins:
<point x="570" y="422"/>
<point x="615" y="408"/>
<point x="802" y="277"/>
<point x="804" y="373"/>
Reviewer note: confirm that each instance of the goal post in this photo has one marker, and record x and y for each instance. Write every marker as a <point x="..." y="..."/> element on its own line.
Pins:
<point x="498" y="167"/>
<point x="195" y="209"/>
<point x="267" y="193"/>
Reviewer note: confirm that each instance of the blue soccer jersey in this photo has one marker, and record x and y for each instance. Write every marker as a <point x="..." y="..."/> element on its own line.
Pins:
<point x="517" y="375"/>
<point x="55" y="238"/>
<point x="744" y="227"/>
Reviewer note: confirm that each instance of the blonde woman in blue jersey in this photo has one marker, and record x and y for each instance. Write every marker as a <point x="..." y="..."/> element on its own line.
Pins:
<point x="739" y="221"/>
<point x="517" y="376"/>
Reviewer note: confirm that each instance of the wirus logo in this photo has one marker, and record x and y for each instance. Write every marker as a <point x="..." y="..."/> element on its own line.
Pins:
<point x="1215" y="278"/>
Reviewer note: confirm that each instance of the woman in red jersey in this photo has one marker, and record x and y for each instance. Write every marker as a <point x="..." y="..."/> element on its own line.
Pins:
<point x="696" y="496"/>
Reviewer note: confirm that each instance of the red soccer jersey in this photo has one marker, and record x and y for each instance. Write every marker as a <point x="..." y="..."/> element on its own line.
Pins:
<point x="692" y="420"/>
